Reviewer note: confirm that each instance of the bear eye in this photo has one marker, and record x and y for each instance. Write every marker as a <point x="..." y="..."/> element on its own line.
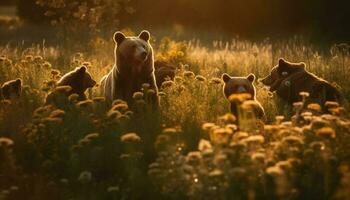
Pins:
<point x="284" y="73"/>
<point x="287" y="83"/>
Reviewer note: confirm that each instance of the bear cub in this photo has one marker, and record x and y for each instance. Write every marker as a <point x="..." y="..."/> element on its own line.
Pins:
<point x="164" y="71"/>
<point x="288" y="79"/>
<point x="242" y="85"/>
<point x="79" y="80"/>
<point x="11" y="89"/>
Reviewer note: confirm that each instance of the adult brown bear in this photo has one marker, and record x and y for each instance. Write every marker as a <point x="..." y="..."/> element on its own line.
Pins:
<point x="289" y="79"/>
<point x="134" y="65"/>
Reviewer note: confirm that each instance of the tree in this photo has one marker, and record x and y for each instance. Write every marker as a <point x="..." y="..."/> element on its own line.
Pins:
<point x="85" y="17"/>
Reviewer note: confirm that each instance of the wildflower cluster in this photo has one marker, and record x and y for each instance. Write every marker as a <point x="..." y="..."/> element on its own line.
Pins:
<point x="91" y="149"/>
<point x="229" y="160"/>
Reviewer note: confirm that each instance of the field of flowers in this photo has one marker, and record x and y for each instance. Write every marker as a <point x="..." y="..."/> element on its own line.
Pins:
<point x="191" y="148"/>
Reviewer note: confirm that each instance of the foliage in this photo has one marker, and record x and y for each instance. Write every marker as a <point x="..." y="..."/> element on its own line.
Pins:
<point x="191" y="148"/>
<point x="25" y="10"/>
<point x="251" y="18"/>
<point x="84" y="18"/>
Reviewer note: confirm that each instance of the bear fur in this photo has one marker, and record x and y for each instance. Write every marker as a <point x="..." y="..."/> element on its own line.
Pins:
<point x="163" y="71"/>
<point x="288" y="79"/>
<point x="11" y="89"/>
<point x="242" y="85"/>
<point x="79" y="80"/>
<point x="134" y="65"/>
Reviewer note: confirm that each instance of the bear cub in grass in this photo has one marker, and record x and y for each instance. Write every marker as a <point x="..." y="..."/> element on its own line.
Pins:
<point x="134" y="66"/>
<point x="79" y="80"/>
<point x="234" y="86"/>
<point x="11" y="89"/>
<point x="289" y="79"/>
<point x="164" y="71"/>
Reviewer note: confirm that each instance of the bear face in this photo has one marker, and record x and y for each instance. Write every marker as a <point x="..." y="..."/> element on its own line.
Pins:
<point x="135" y="50"/>
<point x="242" y="85"/>
<point x="280" y="72"/>
<point x="12" y="89"/>
<point x="238" y="85"/>
<point x="79" y="80"/>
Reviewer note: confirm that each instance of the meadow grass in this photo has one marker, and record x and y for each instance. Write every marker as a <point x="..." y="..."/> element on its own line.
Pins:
<point x="190" y="149"/>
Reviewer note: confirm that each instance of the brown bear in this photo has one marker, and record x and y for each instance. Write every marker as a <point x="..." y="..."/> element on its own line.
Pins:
<point x="236" y="86"/>
<point x="134" y="65"/>
<point x="11" y="89"/>
<point x="163" y="71"/>
<point x="289" y="79"/>
<point x="79" y="80"/>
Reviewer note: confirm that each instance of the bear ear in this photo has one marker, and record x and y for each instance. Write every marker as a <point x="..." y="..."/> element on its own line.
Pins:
<point x="281" y="61"/>
<point x="302" y="65"/>
<point x="225" y="77"/>
<point x="81" y="70"/>
<point x="19" y="81"/>
<point x="251" y="77"/>
<point x="118" y="37"/>
<point x="145" y="35"/>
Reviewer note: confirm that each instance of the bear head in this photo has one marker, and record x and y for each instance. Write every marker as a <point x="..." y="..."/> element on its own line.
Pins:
<point x="12" y="89"/>
<point x="280" y="72"/>
<point x="238" y="85"/>
<point x="133" y="53"/>
<point x="79" y="80"/>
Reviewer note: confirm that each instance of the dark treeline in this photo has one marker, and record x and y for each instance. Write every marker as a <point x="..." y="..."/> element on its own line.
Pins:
<point x="320" y="19"/>
<point x="326" y="19"/>
<point x="6" y="2"/>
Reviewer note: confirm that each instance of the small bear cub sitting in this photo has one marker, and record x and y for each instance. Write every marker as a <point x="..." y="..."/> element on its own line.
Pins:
<point x="78" y="80"/>
<point x="11" y="89"/>
<point x="234" y="87"/>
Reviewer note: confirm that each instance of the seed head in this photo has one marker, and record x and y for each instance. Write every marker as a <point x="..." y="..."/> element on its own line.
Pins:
<point x="314" y="107"/>
<point x="85" y="177"/>
<point x="137" y="95"/>
<point x="92" y="136"/>
<point x="304" y="94"/>
<point x="326" y="132"/>
<point x="188" y="74"/>
<point x="130" y="137"/>
<point x="200" y="78"/>
<point x="6" y="142"/>
<point x="239" y="98"/>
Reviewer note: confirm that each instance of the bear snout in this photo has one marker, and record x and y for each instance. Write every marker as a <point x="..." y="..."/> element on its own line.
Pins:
<point x="141" y="54"/>
<point x="266" y="81"/>
<point x="93" y="83"/>
<point x="241" y="89"/>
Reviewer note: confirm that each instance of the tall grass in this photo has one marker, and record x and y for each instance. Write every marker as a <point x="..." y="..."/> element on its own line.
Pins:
<point x="190" y="149"/>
